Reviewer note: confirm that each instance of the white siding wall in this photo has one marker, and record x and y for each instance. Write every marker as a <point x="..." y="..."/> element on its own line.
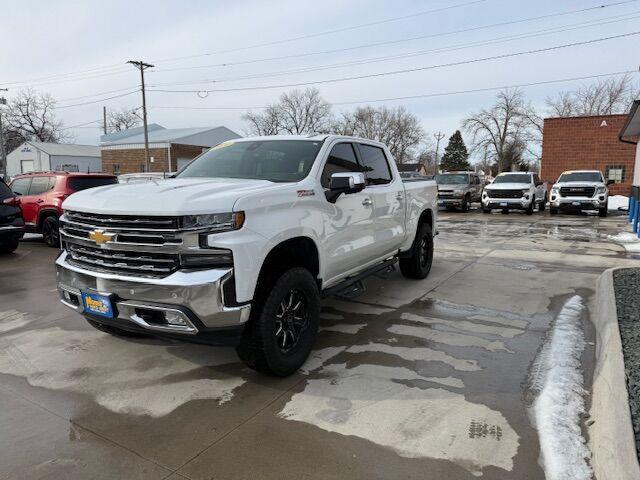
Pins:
<point x="26" y="153"/>
<point x="636" y="168"/>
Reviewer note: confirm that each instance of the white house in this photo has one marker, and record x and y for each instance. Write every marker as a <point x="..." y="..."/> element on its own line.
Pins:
<point x="43" y="156"/>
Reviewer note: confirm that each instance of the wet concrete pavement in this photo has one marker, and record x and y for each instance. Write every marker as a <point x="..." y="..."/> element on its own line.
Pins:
<point x="413" y="379"/>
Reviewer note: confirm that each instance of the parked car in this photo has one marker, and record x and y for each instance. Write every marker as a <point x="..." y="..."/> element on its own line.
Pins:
<point x="11" y="222"/>
<point x="144" y="177"/>
<point x="240" y="247"/>
<point x="40" y="196"/>
<point x="579" y="190"/>
<point x="515" y="191"/>
<point x="458" y="189"/>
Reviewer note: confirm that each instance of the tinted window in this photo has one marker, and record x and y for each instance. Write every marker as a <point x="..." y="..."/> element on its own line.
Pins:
<point x="580" y="177"/>
<point x="39" y="185"/>
<point x="513" y="178"/>
<point x="341" y="159"/>
<point x="273" y="160"/>
<point x="82" y="183"/>
<point x="5" y="192"/>
<point x="374" y="165"/>
<point x="21" y="186"/>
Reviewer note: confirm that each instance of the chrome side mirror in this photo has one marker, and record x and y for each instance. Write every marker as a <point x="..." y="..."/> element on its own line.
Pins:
<point x="345" y="182"/>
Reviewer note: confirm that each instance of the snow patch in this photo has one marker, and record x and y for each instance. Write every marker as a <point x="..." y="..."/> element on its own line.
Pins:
<point x="350" y="328"/>
<point x="558" y="381"/>
<point x="318" y="358"/>
<point x="628" y="240"/>
<point x="618" y="201"/>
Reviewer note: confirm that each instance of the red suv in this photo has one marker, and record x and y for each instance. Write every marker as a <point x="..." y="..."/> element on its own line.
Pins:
<point x="40" y="195"/>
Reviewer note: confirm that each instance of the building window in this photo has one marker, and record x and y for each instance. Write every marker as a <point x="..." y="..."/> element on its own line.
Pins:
<point x="116" y="169"/>
<point x="615" y="173"/>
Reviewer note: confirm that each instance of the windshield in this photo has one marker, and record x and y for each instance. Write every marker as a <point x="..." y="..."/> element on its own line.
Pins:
<point x="513" y="178"/>
<point x="452" y="179"/>
<point x="273" y="160"/>
<point x="580" y="177"/>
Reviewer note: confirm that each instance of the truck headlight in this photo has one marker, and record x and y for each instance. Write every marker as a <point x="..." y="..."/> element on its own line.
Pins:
<point x="215" y="222"/>
<point x="601" y="190"/>
<point x="555" y="190"/>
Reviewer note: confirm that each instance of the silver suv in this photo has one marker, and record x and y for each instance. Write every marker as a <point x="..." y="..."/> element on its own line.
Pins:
<point x="458" y="189"/>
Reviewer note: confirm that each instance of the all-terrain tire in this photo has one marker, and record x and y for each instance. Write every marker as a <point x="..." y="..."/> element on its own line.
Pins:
<point x="603" y="212"/>
<point x="543" y="204"/>
<point x="553" y="211"/>
<point x="50" y="233"/>
<point x="464" y="206"/>
<point x="418" y="264"/>
<point x="261" y="347"/>
<point x="529" y="210"/>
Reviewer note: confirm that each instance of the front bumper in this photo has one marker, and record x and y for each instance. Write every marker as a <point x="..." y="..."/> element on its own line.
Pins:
<point x="450" y="201"/>
<point x="195" y="299"/>
<point x="578" y="203"/>
<point x="11" y="231"/>
<point x="506" y="203"/>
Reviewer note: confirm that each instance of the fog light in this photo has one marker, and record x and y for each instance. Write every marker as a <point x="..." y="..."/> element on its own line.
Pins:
<point x="174" y="319"/>
<point x="553" y="198"/>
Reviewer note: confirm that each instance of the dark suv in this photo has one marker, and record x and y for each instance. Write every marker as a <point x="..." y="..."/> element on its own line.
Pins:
<point x="11" y="223"/>
<point x="40" y="195"/>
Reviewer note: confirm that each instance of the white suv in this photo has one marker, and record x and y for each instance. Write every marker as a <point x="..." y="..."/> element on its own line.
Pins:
<point x="515" y="191"/>
<point x="580" y="190"/>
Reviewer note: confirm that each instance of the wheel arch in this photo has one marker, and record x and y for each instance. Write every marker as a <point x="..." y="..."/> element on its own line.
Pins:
<point x="43" y="215"/>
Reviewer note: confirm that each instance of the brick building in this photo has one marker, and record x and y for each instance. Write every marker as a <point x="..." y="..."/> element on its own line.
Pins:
<point x="169" y="149"/>
<point x="588" y="143"/>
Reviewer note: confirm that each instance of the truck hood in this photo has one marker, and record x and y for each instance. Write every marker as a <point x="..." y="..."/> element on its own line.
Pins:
<point x="508" y="186"/>
<point x="452" y="186"/>
<point x="579" y="184"/>
<point x="188" y="196"/>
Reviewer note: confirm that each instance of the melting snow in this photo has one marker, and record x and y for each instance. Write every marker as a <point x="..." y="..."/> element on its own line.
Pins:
<point x="618" y="201"/>
<point x="558" y="381"/>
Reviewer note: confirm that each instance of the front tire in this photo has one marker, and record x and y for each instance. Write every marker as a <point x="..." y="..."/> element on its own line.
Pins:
<point x="553" y="211"/>
<point x="543" y="204"/>
<point x="50" y="232"/>
<point x="418" y="264"/>
<point x="529" y="210"/>
<point x="486" y="210"/>
<point x="603" y="212"/>
<point x="281" y="333"/>
<point x="9" y="246"/>
<point x="464" y="207"/>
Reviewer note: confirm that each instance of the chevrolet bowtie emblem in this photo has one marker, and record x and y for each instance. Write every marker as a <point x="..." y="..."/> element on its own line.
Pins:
<point x="100" y="236"/>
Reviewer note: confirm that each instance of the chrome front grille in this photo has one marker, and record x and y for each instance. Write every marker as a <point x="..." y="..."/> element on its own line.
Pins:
<point x="577" y="191"/>
<point x="122" y="262"/>
<point x="127" y="245"/>
<point x="504" y="193"/>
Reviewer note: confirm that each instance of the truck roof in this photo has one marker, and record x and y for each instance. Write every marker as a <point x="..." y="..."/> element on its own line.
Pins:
<point x="314" y="138"/>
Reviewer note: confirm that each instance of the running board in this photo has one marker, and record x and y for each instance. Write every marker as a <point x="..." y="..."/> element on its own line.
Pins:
<point x="353" y="286"/>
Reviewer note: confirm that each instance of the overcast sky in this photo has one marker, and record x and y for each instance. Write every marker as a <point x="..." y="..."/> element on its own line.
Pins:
<point x="42" y="39"/>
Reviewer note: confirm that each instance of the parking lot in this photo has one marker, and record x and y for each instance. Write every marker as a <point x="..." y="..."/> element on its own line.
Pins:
<point x="412" y="379"/>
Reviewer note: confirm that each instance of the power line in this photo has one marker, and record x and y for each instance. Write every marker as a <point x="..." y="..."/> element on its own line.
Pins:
<point x="69" y="77"/>
<point x="80" y="125"/>
<point x="406" y="70"/>
<point x="98" y="101"/>
<point x="491" y="41"/>
<point x="426" y="95"/>
<point x="327" y="32"/>
<point x="97" y="94"/>
<point x="392" y="42"/>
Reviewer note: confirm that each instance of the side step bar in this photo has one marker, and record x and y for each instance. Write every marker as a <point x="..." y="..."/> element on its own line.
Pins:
<point x="353" y="286"/>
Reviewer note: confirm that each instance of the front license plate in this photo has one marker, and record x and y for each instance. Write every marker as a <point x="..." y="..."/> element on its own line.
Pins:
<point x="97" y="304"/>
<point x="576" y="204"/>
<point x="504" y="204"/>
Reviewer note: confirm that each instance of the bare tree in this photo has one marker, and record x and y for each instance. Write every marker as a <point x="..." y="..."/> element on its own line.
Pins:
<point x="118" y="120"/>
<point x="297" y="113"/>
<point x="606" y="97"/>
<point x="30" y="115"/>
<point x="427" y="157"/>
<point x="396" y="127"/>
<point x="502" y="129"/>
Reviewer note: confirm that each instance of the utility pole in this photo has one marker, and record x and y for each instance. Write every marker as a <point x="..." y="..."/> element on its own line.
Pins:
<point x="3" y="153"/>
<point x="142" y="66"/>
<point x="104" y="119"/>
<point x="438" y="136"/>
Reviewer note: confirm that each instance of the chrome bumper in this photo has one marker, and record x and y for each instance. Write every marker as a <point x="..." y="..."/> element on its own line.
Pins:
<point x="558" y="201"/>
<point x="196" y="298"/>
<point x="510" y="202"/>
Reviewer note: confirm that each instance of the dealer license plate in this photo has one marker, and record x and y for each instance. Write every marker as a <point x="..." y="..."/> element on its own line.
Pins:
<point x="97" y="304"/>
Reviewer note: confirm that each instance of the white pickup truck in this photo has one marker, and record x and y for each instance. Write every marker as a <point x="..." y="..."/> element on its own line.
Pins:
<point x="240" y="247"/>
<point x="579" y="190"/>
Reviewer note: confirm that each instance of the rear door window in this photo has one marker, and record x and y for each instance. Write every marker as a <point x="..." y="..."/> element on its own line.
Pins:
<point x="375" y="165"/>
<point x="341" y="159"/>
<point x="39" y="185"/>
<point x="82" y="183"/>
<point x="21" y="186"/>
<point x="5" y="192"/>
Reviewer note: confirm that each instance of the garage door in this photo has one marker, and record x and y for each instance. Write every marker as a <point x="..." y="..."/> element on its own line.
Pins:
<point x="26" y="166"/>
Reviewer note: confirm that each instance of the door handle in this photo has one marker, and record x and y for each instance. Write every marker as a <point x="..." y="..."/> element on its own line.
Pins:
<point x="39" y="201"/>
<point x="367" y="202"/>
<point x="399" y="196"/>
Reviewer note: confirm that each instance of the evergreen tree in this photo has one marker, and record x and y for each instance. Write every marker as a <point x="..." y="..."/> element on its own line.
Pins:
<point x="455" y="154"/>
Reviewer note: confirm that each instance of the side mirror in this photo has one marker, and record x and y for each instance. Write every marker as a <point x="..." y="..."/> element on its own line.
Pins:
<point x="610" y="182"/>
<point x="344" y="182"/>
<point x="539" y="183"/>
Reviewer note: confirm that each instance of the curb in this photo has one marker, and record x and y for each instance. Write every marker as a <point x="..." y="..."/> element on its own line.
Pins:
<point x="611" y="437"/>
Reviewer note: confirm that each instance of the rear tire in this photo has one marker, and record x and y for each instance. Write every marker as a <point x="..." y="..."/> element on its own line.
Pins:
<point x="505" y="211"/>
<point x="553" y="211"/>
<point x="9" y="246"/>
<point x="418" y="265"/>
<point x="282" y="331"/>
<point x="115" y="331"/>
<point x="50" y="232"/>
